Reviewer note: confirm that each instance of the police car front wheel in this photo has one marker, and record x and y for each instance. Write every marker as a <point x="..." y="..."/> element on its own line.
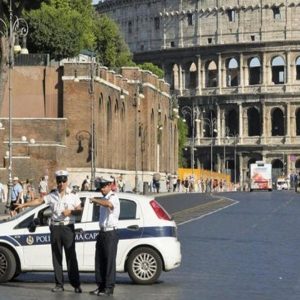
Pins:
<point x="7" y="264"/>
<point x="144" y="265"/>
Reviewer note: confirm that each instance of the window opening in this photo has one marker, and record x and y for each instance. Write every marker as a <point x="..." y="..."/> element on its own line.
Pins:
<point x="156" y="23"/>
<point x="231" y="15"/>
<point x="190" y="19"/>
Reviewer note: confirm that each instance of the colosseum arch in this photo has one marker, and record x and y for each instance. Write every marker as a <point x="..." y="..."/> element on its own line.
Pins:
<point x="297" y="115"/>
<point x="297" y="165"/>
<point x="232" y="72"/>
<point x="254" y="121"/>
<point x="297" y="63"/>
<point x="232" y="122"/>
<point x="277" y="119"/>
<point x="191" y="78"/>
<point x="208" y="130"/>
<point x="255" y="70"/>
<point x="277" y="168"/>
<point x="278" y="70"/>
<point x="211" y="74"/>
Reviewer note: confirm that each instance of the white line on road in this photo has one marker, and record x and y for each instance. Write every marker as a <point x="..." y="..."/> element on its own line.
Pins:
<point x="210" y="213"/>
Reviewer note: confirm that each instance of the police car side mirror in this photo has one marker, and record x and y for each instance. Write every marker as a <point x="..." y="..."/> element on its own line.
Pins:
<point x="32" y="226"/>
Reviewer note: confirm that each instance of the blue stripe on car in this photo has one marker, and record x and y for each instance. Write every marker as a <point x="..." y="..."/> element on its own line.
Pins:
<point x="90" y="235"/>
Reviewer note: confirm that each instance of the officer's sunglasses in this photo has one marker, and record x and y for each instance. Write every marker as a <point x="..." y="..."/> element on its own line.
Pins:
<point x="62" y="179"/>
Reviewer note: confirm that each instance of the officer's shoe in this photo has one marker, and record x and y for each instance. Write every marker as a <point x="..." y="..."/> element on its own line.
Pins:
<point x="78" y="290"/>
<point x="106" y="292"/>
<point x="96" y="291"/>
<point x="57" y="289"/>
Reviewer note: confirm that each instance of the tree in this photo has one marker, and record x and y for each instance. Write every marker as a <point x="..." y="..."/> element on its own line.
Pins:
<point x="111" y="48"/>
<point x="153" y="68"/>
<point x="60" y="29"/>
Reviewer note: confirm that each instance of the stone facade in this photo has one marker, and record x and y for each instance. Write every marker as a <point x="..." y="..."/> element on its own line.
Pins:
<point x="236" y="64"/>
<point x="135" y="133"/>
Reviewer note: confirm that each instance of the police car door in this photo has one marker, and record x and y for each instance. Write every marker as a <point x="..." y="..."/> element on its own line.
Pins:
<point x="37" y="249"/>
<point x="130" y="228"/>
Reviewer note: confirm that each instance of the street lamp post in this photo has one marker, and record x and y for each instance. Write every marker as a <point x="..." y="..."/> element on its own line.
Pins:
<point x="17" y="27"/>
<point x="137" y="97"/>
<point x="93" y="142"/>
<point x="212" y="125"/>
<point x="235" y="140"/>
<point x="193" y="113"/>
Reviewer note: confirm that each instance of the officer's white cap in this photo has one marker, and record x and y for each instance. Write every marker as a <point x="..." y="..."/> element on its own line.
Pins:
<point x="61" y="173"/>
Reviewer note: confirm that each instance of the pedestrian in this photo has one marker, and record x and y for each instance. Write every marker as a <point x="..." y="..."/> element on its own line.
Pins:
<point x="16" y="195"/>
<point x="43" y="186"/>
<point x="28" y="192"/>
<point x="64" y="205"/>
<point x="174" y="183"/>
<point x="85" y="186"/>
<point x="107" y="239"/>
<point x="121" y="184"/>
<point x="2" y="193"/>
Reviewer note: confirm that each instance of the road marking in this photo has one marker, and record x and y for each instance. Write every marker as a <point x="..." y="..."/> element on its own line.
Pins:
<point x="198" y="212"/>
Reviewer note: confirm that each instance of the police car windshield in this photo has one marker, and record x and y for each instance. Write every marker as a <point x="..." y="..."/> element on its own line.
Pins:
<point x="25" y="211"/>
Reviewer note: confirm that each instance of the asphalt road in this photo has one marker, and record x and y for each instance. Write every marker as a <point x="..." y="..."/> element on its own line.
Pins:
<point x="249" y="250"/>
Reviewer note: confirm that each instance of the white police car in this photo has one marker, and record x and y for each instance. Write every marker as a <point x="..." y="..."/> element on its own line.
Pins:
<point x="148" y="240"/>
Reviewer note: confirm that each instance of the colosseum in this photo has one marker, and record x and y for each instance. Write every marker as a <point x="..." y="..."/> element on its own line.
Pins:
<point x="234" y="67"/>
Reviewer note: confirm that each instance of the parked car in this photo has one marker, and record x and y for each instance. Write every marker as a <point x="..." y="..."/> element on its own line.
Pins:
<point x="148" y="241"/>
<point x="282" y="184"/>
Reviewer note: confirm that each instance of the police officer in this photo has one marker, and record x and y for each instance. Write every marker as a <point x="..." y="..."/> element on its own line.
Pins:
<point x="107" y="239"/>
<point x="65" y="205"/>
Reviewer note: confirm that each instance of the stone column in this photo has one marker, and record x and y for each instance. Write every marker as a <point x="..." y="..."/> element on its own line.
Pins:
<point x="241" y="130"/>
<point x="180" y="78"/>
<point x="199" y="77"/>
<point x="241" y="83"/>
<point x="219" y="124"/>
<point x="241" y="161"/>
<point x="264" y="121"/>
<point x="288" y="79"/>
<point x="288" y="123"/>
<point x="220" y="79"/>
<point x="264" y="70"/>
<point x="181" y="19"/>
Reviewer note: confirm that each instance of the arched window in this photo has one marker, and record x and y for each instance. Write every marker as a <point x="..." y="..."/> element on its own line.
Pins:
<point x="298" y="121"/>
<point x="232" y="122"/>
<point x="298" y="68"/>
<point x="277" y="122"/>
<point x="297" y="164"/>
<point x="209" y="128"/>
<point x="232" y="72"/>
<point x="254" y="71"/>
<point x="278" y="70"/>
<point x="193" y="76"/>
<point x="277" y="168"/>
<point x="211" y="74"/>
<point x="254" y="122"/>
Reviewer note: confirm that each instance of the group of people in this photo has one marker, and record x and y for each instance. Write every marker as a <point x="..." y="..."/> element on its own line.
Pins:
<point x="117" y="184"/>
<point x="22" y="192"/>
<point x="65" y="205"/>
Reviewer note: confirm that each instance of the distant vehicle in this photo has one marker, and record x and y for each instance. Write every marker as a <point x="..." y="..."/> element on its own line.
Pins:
<point x="260" y="176"/>
<point x="282" y="183"/>
<point x="148" y="239"/>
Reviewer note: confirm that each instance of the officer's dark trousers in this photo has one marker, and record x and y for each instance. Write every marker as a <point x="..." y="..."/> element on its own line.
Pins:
<point x="63" y="236"/>
<point x="105" y="259"/>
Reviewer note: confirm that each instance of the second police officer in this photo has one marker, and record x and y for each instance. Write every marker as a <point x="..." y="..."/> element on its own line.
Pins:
<point x="107" y="239"/>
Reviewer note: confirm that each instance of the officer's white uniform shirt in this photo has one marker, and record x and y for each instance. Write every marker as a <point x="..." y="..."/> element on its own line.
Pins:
<point x="58" y="204"/>
<point x="109" y="217"/>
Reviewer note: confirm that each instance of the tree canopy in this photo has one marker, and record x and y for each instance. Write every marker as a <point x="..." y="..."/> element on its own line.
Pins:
<point x="153" y="68"/>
